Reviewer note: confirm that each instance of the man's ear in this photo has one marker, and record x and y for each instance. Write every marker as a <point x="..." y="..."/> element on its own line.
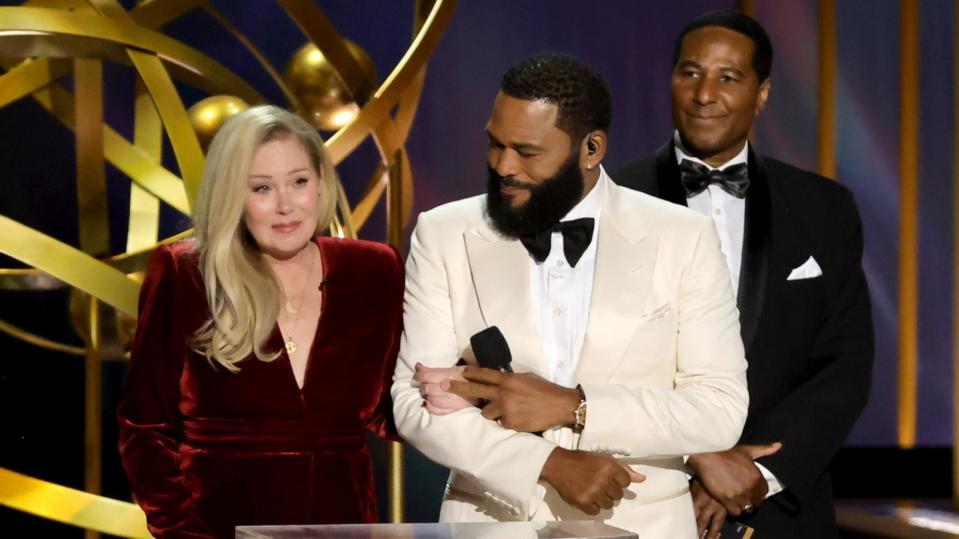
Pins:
<point x="763" y="95"/>
<point x="593" y="149"/>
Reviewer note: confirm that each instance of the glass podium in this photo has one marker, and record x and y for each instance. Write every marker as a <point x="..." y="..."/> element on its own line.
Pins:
<point x="587" y="529"/>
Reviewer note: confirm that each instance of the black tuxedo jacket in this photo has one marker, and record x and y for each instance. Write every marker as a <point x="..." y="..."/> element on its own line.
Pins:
<point x="809" y="342"/>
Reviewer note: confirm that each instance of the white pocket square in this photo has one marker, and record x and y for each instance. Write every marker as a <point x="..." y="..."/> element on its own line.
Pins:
<point x="807" y="270"/>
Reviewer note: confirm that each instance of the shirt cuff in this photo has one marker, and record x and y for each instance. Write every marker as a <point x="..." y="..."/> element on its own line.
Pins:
<point x="775" y="487"/>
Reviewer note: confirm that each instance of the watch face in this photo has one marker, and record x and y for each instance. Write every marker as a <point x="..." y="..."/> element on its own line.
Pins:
<point x="580" y="414"/>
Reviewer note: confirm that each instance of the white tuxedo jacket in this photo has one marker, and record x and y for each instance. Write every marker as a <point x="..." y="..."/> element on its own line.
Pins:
<point x="662" y="365"/>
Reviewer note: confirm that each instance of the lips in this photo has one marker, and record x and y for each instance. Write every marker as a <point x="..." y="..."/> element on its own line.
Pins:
<point x="512" y="187"/>
<point x="701" y="118"/>
<point x="285" y="228"/>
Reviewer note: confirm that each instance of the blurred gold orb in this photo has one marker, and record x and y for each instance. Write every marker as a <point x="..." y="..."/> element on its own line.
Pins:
<point x="208" y="115"/>
<point x="324" y="100"/>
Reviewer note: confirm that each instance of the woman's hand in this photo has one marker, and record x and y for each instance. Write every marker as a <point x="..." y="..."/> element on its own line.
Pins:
<point x="436" y="400"/>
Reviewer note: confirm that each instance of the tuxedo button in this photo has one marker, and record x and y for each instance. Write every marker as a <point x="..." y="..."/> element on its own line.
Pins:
<point x="558" y="312"/>
<point x="560" y="263"/>
<point x="719" y="211"/>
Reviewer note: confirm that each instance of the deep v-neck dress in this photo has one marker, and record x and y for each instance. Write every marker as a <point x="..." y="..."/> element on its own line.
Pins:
<point x="206" y="450"/>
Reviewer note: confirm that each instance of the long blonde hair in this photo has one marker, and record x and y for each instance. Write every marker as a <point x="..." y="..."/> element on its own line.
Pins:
<point x="241" y="289"/>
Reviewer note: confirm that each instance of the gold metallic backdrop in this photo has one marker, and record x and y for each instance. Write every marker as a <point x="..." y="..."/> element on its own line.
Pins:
<point x="330" y="81"/>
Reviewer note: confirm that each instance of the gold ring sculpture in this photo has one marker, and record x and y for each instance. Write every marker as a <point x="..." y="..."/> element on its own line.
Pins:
<point x="329" y="81"/>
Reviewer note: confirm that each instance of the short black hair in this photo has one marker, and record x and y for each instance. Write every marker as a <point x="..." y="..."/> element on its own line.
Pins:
<point x="578" y="90"/>
<point x="740" y="23"/>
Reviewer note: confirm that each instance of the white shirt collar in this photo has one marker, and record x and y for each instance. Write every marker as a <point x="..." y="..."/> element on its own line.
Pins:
<point x="682" y="153"/>
<point x="592" y="203"/>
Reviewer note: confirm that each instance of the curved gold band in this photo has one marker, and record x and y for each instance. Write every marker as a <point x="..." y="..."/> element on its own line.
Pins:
<point x="71" y="506"/>
<point x="37" y="340"/>
<point x="195" y="67"/>
<point x="68" y="264"/>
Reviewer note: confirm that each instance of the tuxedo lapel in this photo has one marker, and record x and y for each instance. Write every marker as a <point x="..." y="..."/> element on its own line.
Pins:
<point x="500" y="271"/>
<point x="755" y="258"/>
<point x="667" y="175"/>
<point x="625" y="256"/>
<point x="754" y="263"/>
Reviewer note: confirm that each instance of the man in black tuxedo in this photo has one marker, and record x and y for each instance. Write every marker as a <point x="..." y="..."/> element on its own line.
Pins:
<point x="793" y="244"/>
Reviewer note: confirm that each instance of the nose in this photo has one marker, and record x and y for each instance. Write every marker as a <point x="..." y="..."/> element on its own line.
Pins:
<point x="705" y="92"/>
<point x="505" y="162"/>
<point x="283" y="203"/>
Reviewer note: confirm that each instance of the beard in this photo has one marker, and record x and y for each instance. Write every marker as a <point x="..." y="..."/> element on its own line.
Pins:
<point x="548" y="201"/>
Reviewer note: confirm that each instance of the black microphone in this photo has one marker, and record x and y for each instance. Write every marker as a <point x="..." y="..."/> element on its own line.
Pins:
<point x="491" y="350"/>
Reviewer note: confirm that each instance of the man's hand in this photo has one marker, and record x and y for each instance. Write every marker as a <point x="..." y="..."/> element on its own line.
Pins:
<point x="710" y="514"/>
<point x="522" y="402"/>
<point x="436" y="400"/>
<point x="588" y="481"/>
<point x="731" y="477"/>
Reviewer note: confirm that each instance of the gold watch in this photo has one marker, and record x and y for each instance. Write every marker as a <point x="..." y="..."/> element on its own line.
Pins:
<point x="579" y="414"/>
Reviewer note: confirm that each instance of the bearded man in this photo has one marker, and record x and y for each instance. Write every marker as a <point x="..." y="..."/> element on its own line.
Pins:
<point x="618" y="313"/>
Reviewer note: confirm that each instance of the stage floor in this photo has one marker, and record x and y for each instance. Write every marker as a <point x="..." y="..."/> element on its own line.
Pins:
<point x="913" y="519"/>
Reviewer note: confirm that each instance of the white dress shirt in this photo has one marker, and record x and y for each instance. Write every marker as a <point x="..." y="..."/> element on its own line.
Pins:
<point x="561" y="294"/>
<point x="728" y="212"/>
<point x="729" y="216"/>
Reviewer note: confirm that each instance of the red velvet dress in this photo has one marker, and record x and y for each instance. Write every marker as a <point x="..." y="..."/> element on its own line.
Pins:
<point x="207" y="450"/>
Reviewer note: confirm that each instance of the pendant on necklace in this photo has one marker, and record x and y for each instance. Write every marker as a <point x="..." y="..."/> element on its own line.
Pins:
<point x="290" y="347"/>
<point x="289" y="307"/>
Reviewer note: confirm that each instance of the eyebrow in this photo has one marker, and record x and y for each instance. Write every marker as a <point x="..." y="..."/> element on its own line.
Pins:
<point x="294" y="171"/>
<point x="527" y="146"/>
<point x="734" y="70"/>
<point x="724" y="69"/>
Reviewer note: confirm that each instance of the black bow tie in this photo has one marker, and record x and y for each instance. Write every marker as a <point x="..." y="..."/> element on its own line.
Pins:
<point x="576" y="237"/>
<point x="696" y="178"/>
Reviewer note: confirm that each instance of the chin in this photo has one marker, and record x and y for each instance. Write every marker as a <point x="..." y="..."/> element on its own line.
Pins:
<point x="518" y="201"/>
<point x="282" y="248"/>
<point x="702" y="145"/>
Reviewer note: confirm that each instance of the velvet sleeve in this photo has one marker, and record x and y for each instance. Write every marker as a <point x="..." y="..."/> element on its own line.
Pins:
<point x="382" y="423"/>
<point x="148" y="412"/>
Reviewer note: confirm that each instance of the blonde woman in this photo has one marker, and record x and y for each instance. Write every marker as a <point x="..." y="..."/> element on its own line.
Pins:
<point x="264" y="351"/>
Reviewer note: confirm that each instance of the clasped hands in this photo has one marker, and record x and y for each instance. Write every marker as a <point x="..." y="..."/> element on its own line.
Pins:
<point x="526" y="402"/>
<point x="523" y="402"/>
<point x="726" y="483"/>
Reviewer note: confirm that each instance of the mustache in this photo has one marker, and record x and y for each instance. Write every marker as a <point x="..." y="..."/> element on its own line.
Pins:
<point x="509" y="181"/>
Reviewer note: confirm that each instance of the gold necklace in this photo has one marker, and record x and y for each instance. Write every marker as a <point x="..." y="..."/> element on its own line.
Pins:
<point x="290" y="344"/>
